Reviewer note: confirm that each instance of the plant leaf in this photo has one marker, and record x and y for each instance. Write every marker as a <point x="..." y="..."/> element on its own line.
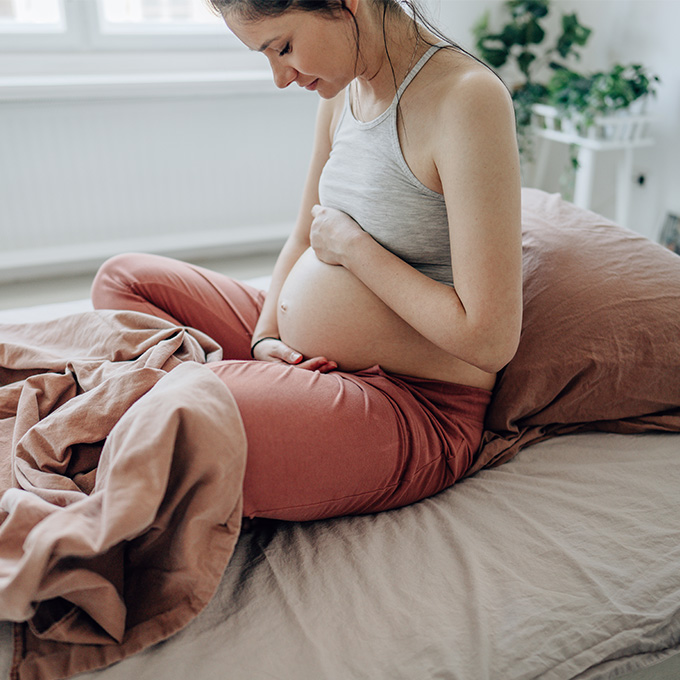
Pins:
<point x="524" y="62"/>
<point x="534" y="32"/>
<point x="495" y="58"/>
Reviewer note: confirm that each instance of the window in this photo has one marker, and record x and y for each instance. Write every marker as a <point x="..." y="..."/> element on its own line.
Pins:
<point x="28" y="16"/>
<point x="152" y="14"/>
<point x="40" y="25"/>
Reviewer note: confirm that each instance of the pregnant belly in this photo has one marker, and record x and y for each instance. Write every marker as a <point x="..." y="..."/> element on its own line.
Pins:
<point x="326" y="311"/>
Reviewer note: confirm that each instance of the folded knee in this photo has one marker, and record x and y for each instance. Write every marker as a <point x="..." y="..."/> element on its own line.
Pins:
<point x="116" y="276"/>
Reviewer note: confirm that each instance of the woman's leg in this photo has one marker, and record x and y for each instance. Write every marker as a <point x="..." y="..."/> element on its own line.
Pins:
<point x="319" y="445"/>
<point x="225" y="309"/>
<point x="324" y="445"/>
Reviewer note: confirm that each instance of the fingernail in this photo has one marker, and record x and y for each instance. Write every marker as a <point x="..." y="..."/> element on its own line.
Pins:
<point x="296" y="356"/>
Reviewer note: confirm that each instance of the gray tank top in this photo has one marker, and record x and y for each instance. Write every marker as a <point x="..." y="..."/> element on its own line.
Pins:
<point x="366" y="176"/>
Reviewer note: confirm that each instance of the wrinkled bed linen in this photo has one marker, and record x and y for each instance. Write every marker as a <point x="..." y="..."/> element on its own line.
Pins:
<point x="122" y="461"/>
<point x="561" y="564"/>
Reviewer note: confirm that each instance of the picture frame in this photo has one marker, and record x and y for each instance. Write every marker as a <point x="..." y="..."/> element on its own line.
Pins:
<point x="670" y="233"/>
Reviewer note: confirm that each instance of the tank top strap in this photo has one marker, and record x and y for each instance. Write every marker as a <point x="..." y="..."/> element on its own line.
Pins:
<point x="416" y="69"/>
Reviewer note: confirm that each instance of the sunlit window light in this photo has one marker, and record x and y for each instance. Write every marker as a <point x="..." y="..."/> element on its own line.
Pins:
<point x="28" y="14"/>
<point x="193" y="12"/>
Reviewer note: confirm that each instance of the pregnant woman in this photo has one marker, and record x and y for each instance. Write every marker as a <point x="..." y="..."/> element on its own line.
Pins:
<point x="364" y="373"/>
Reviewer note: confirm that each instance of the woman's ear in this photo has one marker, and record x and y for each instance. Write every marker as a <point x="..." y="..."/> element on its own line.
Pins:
<point x="352" y="6"/>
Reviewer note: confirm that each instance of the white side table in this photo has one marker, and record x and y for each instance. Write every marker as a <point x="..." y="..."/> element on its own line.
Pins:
<point x="613" y="133"/>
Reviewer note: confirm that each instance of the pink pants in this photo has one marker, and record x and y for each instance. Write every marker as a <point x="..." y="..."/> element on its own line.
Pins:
<point x="319" y="445"/>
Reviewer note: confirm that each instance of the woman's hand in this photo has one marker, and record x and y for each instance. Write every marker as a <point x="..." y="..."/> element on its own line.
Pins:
<point x="331" y="233"/>
<point x="277" y="351"/>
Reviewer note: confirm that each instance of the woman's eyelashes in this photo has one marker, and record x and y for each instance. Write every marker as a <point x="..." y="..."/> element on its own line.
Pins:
<point x="285" y="50"/>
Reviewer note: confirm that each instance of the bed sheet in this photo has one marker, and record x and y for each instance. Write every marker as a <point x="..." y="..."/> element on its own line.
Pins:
<point x="562" y="563"/>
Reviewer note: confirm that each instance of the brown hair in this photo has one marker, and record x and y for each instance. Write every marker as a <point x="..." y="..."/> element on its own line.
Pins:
<point x="257" y="9"/>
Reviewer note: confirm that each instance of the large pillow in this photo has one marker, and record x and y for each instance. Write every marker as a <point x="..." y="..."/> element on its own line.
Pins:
<point x="600" y="343"/>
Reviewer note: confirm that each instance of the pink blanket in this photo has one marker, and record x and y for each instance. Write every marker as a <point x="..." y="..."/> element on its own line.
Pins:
<point x="121" y="467"/>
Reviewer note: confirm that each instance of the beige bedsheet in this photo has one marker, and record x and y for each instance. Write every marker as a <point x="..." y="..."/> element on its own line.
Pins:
<point x="122" y="460"/>
<point x="563" y="563"/>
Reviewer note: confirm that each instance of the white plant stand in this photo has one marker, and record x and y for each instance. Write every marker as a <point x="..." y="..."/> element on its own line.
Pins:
<point x="613" y="133"/>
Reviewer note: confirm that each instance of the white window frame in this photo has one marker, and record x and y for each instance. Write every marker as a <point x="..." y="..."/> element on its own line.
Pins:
<point x="82" y="62"/>
<point x="83" y="32"/>
<point x="32" y="38"/>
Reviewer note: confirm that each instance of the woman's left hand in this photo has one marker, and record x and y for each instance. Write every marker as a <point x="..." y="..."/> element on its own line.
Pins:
<point x="331" y="233"/>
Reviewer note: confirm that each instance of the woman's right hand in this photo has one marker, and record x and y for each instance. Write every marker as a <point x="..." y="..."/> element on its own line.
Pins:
<point x="277" y="351"/>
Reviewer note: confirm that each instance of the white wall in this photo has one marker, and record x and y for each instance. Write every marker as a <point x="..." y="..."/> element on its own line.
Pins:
<point x="646" y="31"/>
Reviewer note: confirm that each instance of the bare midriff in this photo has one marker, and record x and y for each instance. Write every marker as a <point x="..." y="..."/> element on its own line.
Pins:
<point x="324" y="310"/>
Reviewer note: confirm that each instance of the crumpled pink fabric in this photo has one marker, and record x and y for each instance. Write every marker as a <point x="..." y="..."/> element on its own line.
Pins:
<point x="121" y="469"/>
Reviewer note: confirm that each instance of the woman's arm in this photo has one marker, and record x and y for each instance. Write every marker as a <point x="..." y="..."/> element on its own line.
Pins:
<point x="476" y="157"/>
<point x="296" y="244"/>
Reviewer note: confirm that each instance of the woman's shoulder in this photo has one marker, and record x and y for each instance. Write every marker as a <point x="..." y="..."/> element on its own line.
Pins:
<point x="456" y="82"/>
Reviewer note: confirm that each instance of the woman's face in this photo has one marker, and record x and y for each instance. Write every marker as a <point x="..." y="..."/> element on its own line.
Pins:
<point x="313" y="50"/>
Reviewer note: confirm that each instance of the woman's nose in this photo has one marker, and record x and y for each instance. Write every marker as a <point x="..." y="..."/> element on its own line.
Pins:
<point x="283" y="75"/>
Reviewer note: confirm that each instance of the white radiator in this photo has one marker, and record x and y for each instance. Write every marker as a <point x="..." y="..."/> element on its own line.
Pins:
<point x="83" y="180"/>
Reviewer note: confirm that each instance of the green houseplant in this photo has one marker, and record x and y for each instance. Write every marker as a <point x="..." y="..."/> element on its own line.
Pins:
<point x="543" y="73"/>
<point x="520" y="44"/>
<point x="584" y="97"/>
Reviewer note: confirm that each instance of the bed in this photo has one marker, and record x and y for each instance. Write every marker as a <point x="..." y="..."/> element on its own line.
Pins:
<point x="557" y="557"/>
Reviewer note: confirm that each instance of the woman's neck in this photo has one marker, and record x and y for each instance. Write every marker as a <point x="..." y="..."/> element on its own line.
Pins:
<point x="385" y="59"/>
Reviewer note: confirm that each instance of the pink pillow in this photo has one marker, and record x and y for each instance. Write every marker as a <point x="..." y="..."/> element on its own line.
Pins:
<point x="600" y="343"/>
